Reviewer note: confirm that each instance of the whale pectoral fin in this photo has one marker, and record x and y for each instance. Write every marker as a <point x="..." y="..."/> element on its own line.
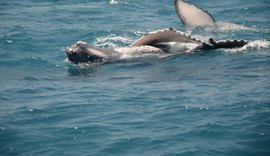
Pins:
<point x="166" y="35"/>
<point x="191" y="15"/>
<point x="229" y="44"/>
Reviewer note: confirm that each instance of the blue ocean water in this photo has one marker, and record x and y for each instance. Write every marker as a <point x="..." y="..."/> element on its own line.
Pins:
<point x="209" y="103"/>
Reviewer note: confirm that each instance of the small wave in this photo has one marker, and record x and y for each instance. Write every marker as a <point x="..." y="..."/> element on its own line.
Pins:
<point x="252" y="45"/>
<point x="112" y="41"/>
<point x="33" y="62"/>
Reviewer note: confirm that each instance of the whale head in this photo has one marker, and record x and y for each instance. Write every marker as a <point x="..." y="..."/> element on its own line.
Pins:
<point x="81" y="52"/>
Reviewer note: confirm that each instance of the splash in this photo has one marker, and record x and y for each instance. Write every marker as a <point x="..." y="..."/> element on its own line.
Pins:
<point x="225" y="26"/>
<point x="85" y="64"/>
<point x="113" y="2"/>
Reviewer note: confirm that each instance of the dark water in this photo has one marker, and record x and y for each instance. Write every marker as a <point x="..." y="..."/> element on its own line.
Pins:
<point x="212" y="103"/>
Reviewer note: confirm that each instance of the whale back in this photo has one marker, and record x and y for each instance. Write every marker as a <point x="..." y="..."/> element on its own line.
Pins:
<point x="191" y="15"/>
<point x="166" y="35"/>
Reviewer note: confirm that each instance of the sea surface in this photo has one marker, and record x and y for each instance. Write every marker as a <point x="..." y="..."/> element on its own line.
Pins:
<point x="214" y="103"/>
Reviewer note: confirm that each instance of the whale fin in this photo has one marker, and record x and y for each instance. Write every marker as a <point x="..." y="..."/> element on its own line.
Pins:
<point x="165" y="35"/>
<point x="229" y="44"/>
<point x="191" y="15"/>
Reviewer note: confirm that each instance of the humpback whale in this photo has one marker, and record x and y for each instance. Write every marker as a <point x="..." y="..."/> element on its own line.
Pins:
<point x="166" y="41"/>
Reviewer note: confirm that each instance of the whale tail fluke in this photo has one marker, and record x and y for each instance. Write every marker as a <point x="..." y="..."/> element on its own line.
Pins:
<point x="191" y="15"/>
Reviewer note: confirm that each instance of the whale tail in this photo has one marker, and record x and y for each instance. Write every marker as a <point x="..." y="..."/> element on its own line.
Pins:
<point x="191" y="15"/>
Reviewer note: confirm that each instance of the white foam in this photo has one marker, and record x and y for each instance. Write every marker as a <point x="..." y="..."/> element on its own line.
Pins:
<point x="225" y="26"/>
<point x="111" y="41"/>
<point x="113" y="1"/>
<point x="139" y="33"/>
<point x="113" y="38"/>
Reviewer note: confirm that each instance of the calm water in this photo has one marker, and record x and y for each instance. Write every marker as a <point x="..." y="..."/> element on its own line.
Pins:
<point x="212" y="103"/>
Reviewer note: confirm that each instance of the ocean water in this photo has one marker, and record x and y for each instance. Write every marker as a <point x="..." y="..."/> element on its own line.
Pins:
<point x="203" y="104"/>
